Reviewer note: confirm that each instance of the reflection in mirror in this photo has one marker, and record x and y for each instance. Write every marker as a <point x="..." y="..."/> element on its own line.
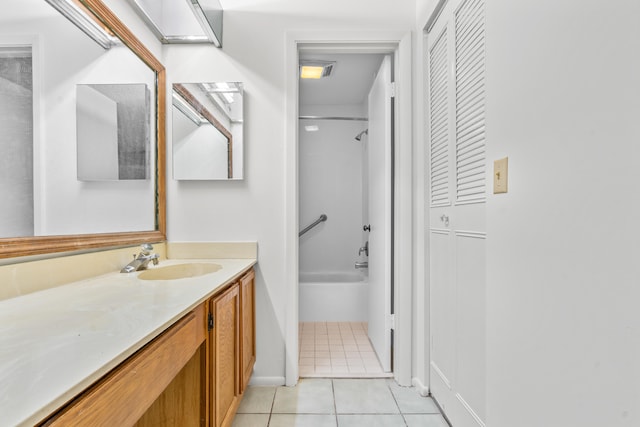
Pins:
<point x="76" y="12"/>
<point x="207" y="131"/>
<point x="209" y="14"/>
<point x="16" y="157"/>
<point x="62" y="205"/>
<point x="113" y="131"/>
<point x="180" y="21"/>
<point x="44" y="60"/>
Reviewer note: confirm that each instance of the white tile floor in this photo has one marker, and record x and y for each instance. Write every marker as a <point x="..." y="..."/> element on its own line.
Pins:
<point x="317" y="402"/>
<point x="337" y="350"/>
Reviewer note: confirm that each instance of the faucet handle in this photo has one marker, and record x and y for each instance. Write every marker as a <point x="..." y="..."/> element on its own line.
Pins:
<point x="364" y="249"/>
<point x="146" y="248"/>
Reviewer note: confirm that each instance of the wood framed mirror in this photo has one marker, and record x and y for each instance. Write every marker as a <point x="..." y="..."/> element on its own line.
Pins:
<point x="155" y="231"/>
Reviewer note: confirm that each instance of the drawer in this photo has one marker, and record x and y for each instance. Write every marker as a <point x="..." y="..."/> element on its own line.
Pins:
<point x="123" y="395"/>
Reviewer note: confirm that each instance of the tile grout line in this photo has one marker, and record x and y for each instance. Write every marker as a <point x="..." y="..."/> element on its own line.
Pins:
<point x="397" y="404"/>
<point x="389" y="386"/>
<point x="273" y="402"/>
<point x="335" y="407"/>
<point x="352" y="331"/>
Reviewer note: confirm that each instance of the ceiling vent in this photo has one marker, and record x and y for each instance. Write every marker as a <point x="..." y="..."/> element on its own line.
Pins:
<point x="316" y="69"/>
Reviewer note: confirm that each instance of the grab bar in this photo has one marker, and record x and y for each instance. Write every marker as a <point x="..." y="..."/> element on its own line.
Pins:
<point x="322" y="218"/>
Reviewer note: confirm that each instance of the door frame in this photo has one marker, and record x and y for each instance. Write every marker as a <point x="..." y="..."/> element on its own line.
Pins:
<point x="397" y="43"/>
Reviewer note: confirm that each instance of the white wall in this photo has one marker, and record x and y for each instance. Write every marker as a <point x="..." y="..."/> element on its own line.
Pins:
<point x="96" y="135"/>
<point x="563" y="273"/>
<point x="199" y="152"/>
<point x="254" y="209"/>
<point x="237" y="130"/>
<point x="96" y="207"/>
<point x="330" y="182"/>
<point x="424" y="9"/>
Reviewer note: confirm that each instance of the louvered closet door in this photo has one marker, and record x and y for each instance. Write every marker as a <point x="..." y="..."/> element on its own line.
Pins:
<point x="457" y="186"/>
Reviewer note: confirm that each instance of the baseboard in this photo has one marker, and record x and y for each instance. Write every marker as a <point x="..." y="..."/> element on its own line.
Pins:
<point x="420" y="387"/>
<point x="263" y="381"/>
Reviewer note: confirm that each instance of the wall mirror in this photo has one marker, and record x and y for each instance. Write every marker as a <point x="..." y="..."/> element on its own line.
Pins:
<point x="48" y="64"/>
<point x="207" y="131"/>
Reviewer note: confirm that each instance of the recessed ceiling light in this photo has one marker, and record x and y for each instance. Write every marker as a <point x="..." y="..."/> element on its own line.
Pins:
<point x="316" y="69"/>
<point x="311" y="128"/>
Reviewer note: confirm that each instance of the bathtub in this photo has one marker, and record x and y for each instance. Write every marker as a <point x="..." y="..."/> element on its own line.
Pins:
<point x="333" y="297"/>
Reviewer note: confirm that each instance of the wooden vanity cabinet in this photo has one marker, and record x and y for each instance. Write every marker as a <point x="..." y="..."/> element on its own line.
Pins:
<point x="232" y="347"/>
<point x="224" y="361"/>
<point x="247" y="328"/>
<point x="193" y="374"/>
<point x="124" y="395"/>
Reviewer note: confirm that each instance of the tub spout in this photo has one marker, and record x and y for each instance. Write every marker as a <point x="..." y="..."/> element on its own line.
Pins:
<point x="362" y="264"/>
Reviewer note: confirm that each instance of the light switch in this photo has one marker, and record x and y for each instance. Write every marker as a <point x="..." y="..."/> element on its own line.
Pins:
<point x="500" y="175"/>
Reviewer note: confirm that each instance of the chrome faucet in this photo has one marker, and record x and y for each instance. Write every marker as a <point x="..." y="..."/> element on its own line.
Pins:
<point x="141" y="261"/>
<point x="364" y="249"/>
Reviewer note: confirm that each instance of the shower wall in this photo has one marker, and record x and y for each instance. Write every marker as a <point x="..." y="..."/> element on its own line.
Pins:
<point x="330" y="182"/>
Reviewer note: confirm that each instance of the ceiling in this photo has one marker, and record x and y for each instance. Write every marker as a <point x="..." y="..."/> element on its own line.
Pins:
<point x="349" y="83"/>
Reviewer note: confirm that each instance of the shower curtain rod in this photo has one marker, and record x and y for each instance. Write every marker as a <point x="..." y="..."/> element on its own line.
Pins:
<point x="359" y="119"/>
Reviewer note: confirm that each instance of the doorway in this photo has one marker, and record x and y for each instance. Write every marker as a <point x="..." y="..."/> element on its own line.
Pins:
<point x="345" y="148"/>
<point x="398" y="47"/>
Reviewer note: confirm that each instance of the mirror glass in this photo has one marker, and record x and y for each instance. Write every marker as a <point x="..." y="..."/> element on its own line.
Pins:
<point x="65" y="101"/>
<point x="207" y="131"/>
<point x="112" y="131"/>
<point x="179" y="21"/>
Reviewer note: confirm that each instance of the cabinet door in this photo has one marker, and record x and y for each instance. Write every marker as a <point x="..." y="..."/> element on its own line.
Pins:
<point x="247" y="327"/>
<point x="225" y="372"/>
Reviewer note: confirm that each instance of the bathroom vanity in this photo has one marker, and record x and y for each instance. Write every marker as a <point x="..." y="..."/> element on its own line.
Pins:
<point x="80" y="343"/>
<point x="120" y="350"/>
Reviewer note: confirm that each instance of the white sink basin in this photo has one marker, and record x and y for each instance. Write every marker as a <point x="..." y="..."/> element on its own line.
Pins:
<point x="179" y="271"/>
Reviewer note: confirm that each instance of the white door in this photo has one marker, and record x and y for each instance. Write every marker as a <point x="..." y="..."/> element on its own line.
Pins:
<point x="380" y="208"/>
<point x="457" y="234"/>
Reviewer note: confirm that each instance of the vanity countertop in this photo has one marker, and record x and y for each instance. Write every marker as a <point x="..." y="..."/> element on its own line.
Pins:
<point x="55" y="343"/>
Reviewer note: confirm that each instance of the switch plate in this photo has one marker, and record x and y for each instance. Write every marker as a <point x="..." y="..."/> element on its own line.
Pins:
<point x="500" y="175"/>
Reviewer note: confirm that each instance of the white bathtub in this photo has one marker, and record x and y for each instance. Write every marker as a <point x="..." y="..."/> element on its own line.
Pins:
<point x="333" y="297"/>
